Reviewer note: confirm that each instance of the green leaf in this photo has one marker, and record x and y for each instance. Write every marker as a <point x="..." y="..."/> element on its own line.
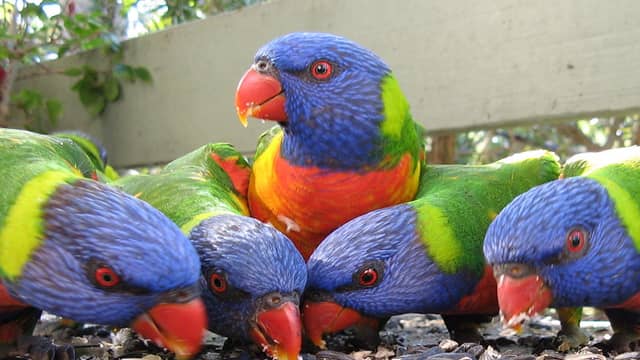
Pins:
<point x="54" y="110"/>
<point x="4" y="52"/>
<point x="92" y="99"/>
<point x="33" y="10"/>
<point x="28" y="99"/>
<point x="63" y="50"/>
<point x="124" y="72"/>
<point x="112" y="89"/>
<point x="93" y="44"/>
<point x="96" y="107"/>
<point x="143" y="74"/>
<point x="73" y="71"/>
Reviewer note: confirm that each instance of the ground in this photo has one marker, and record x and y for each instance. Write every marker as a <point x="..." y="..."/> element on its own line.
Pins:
<point x="407" y="337"/>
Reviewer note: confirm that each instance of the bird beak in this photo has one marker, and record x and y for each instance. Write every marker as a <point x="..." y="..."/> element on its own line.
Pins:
<point x="178" y="327"/>
<point x="279" y="331"/>
<point x="522" y="297"/>
<point x="327" y="317"/>
<point x="260" y="96"/>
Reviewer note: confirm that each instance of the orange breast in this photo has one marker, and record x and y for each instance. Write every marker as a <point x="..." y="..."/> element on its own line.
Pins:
<point x="307" y="203"/>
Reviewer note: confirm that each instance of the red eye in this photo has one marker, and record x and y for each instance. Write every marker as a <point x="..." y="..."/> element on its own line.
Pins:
<point x="368" y="277"/>
<point x="321" y="70"/>
<point x="576" y="240"/>
<point x="218" y="283"/>
<point x="106" y="277"/>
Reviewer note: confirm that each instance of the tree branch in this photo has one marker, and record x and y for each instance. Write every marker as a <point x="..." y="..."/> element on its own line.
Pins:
<point x="578" y="137"/>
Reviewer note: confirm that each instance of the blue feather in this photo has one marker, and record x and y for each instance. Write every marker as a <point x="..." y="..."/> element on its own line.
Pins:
<point x="256" y="259"/>
<point x="533" y="230"/>
<point x="88" y="223"/>
<point x="411" y="281"/>
<point x="337" y="119"/>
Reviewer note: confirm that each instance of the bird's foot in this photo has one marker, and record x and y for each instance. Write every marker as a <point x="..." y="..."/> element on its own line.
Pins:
<point x="572" y="339"/>
<point x="465" y="328"/>
<point x="622" y="342"/>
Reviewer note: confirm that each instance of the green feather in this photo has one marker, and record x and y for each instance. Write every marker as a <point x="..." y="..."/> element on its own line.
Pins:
<point x="618" y="170"/>
<point x="32" y="166"/>
<point x="401" y="134"/>
<point x="456" y="204"/>
<point x="191" y="188"/>
<point x="265" y="139"/>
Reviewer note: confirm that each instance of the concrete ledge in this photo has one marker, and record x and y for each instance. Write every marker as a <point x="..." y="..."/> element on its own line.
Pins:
<point x="462" y="64"/>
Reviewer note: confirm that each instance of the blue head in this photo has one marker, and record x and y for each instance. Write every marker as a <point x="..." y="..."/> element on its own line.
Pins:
<point x="250" y="269"/>
<point x="106" y="257"/>
<point x="328" y="92"/>
<point x="377" y="265"/>
<point x="568" y="233"/>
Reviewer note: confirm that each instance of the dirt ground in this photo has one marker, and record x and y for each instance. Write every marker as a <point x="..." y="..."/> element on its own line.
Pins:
<point x="407" y="337"/>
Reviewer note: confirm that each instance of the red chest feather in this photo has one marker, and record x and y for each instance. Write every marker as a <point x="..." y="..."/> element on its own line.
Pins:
<point x="307" y="203"/>
<point x="483" y="300"/>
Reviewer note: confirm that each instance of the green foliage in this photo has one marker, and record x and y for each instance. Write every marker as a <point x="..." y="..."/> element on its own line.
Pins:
<point x="564" y="138"/>
<point x="173" y="12"/>
<point x="37" y="107"/>
<point x="33" y="32"/>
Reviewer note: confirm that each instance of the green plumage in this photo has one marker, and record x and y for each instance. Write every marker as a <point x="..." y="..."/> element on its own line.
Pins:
<point x="94" y="150"/>
<point x="457" y="203"/>
<point x="24" y="155"/>
<point x="194" y="186"/>
<point x="618" y="171"/>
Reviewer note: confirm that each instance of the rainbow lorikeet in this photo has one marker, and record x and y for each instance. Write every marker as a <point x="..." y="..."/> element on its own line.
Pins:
<point x="423" y="256"/>
<point x="96" y="152"/>
<point x="80" y="249"/>
<point x="574" y="242"/>
<point x="346" y="142"/>
<point x="252" y="276"/>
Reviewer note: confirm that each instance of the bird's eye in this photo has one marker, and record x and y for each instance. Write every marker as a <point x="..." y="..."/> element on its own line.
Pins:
<point x="576" y="240"/>
<point x="368" y="277"/>
<point x="106" y="277"/>
<point x="218" y="283"/>
<point x="321" y="70"/>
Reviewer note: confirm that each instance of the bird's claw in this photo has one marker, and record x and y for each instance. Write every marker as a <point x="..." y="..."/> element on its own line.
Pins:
<point x="571" y="340"/>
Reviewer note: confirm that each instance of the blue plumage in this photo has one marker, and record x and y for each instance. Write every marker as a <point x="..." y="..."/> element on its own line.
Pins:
<point x="533" y="230"/>
<point x="336" y="119"/>
<point x="88" y="223"/>
<point x="256" y="261"/>
<point x="410" y="280"/>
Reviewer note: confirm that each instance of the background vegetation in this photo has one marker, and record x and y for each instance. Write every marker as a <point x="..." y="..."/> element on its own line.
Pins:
<point x="32" y="32"/>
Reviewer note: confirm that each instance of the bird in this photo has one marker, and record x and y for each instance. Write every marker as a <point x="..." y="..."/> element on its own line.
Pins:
<point x="95" y="150"/>
<point x="574" y="242"/>
<point x="345" y="143"/>
<point x="423" y="256"/>
<point x="80" y="249"/>
<point x="252" y="276"/>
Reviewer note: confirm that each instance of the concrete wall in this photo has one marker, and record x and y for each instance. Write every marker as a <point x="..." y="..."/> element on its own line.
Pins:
<point x="462" y="64"/>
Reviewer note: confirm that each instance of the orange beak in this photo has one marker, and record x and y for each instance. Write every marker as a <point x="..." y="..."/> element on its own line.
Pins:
<point x="521" y="298"/>
<point x="279" y="331"/>
<point x="327" y="317"/>
<point x="178" y="327"/>
<point x="260" y="96"/>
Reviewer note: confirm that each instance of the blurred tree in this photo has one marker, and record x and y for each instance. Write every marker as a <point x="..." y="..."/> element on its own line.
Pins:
<point x="564" y="138"/>
<point x="33" y="32"/>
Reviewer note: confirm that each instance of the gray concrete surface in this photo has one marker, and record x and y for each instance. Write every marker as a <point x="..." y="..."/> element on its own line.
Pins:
<point x="462" y="64"/>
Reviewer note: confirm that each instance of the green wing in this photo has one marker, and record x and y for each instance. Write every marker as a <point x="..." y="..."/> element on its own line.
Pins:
<point x="32" y="166"/>
<point x="456" y="204"/>
<point x="585" y="163"/>
<point x="618" y="170"/>
<point x="193" y="187"/>
<point x="265" y="139"/>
